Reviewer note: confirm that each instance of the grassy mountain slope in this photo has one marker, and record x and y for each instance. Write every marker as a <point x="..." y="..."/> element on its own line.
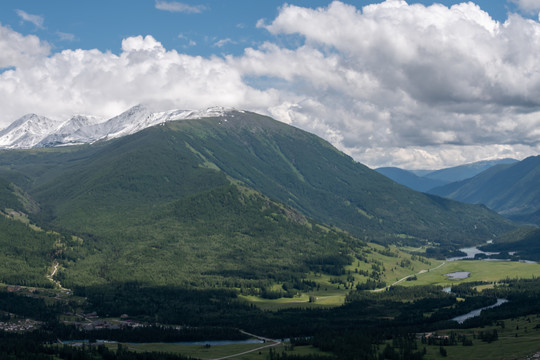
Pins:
<point x="149" y="210"/>
<point x="307" y="173"/>
<point x="511" y="190"/>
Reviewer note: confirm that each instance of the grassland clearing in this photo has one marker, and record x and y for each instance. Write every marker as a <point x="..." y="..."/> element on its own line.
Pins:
<point x="487" y="271"/>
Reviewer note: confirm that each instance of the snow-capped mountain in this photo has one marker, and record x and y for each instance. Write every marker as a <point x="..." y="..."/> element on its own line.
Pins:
<point x="37" y="131"/>
<point x="72" y="132"/>
<point x="27" y="131"/>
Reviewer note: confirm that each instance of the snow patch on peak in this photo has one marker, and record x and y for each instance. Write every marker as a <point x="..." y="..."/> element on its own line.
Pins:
<point x="27" y="131"/>
<point x="36" y="131"/>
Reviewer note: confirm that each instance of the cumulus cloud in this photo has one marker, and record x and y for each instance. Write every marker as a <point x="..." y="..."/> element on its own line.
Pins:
<point x="389" y="84"/>
<point x="37" y="20"/>
<point x="398" y="76"/>
<point x="174" y="6"/>
<point x="105" y="84"/>
<point x="17" y="50"/>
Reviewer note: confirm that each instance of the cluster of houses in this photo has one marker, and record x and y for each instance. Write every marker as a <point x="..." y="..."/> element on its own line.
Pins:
<point x="19" y="325"/>
<point x="93" y="322"/>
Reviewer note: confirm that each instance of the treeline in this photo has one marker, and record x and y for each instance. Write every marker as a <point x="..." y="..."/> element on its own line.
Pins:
<point x="144" y="334"/>
<point x="31" y="307"/>
<point x="21" y="348"/>
<point x="167" y="305"/>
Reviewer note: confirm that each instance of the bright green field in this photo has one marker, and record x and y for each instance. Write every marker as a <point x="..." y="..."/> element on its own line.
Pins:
<point x="480" y="271"/>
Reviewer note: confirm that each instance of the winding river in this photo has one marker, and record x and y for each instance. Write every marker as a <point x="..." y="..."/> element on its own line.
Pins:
<point x="460" y="319"/>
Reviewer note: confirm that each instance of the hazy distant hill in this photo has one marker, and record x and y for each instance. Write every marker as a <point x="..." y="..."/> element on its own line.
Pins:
<point x="511" y="190"/>
<point x="466" y="171"/>
<point x="409" y="179"/>
<point x="425" y="180"/>
<point x="228" y="197"/>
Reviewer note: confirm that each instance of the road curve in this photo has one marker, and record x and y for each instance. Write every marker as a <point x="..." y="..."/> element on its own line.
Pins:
<point x="266" y="340"/>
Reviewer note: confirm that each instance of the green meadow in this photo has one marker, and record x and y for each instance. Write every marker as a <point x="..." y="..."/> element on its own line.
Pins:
<point x="486" y="271"/>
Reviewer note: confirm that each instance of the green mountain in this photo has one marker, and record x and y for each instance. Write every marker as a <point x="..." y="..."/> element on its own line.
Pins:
<point x="240" y="200"/>
<point x="512" y="189"/>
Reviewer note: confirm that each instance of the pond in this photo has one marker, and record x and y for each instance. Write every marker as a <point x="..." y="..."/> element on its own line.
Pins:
<point x="458" y="275"/>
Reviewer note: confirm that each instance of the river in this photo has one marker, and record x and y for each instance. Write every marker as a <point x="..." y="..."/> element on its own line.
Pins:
<point x="460" y="319"/>
<point x="471" y="252"/>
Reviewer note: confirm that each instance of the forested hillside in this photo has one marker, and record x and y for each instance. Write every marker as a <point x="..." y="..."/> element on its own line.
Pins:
<point x="235" y="200"/>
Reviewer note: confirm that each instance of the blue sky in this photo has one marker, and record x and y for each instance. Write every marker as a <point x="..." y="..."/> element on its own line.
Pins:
<point x="197" y="30"/>
<point x="418" y="84"/>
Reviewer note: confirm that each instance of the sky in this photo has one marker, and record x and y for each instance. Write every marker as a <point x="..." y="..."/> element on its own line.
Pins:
<point x="417" y="84"/>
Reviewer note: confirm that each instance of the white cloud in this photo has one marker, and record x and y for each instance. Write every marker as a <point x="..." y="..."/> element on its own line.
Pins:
<point x="389" y="84"/>
<point x="17" y="50"/>
<point x="105" y="84"/>
<point x="174" y="6"/>
<point x="528" y="6"/>
<point x="398" y="76"/>
<point x="37" y="20"/>
<point x="223" y="42"/>
<point x="65" y="36"/>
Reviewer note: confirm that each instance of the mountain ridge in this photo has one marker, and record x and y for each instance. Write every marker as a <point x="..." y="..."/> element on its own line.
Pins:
<point x="31" y="130"/>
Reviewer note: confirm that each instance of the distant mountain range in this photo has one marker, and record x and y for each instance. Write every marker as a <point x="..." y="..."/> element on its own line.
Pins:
<point x="507" y="186"/>
<point x="38" y="131"/>
<point x="425" y="180"/>
<point x="511" y="189"/>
